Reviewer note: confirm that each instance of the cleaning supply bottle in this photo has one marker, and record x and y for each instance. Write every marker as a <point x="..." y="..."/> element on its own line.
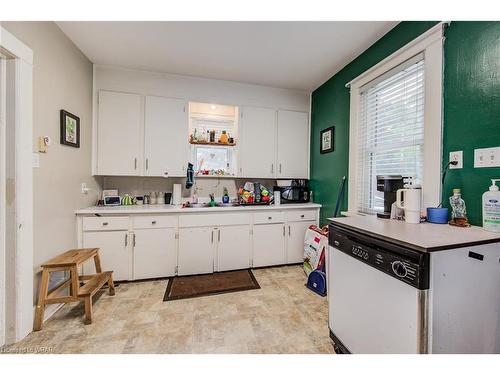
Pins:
<point x="491" y="208"/>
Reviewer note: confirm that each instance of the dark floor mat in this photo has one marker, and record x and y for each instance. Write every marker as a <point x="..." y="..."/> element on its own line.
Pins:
<point x="181" y="287"/>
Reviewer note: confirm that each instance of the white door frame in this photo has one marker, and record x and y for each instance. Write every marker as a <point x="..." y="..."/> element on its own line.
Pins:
<point x="22" y="261"/>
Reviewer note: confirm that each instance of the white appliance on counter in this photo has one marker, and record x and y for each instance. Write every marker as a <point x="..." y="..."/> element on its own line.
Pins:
<point x="390" y="297"/>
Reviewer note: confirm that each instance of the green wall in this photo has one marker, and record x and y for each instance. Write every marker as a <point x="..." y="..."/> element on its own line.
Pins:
<point x="471" y="106"/>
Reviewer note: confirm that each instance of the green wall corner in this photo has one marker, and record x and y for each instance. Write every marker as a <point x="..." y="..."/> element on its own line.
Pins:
<point x="471" y="110"/>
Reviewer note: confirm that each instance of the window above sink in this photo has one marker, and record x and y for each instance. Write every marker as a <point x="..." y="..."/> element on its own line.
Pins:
<point x="213" y="131"/>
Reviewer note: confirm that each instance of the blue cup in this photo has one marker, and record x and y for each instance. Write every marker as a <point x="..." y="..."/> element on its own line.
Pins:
<point x="437" y="215"/>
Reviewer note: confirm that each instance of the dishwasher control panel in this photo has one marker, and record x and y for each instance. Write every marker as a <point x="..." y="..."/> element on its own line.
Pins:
<point x="409" y="266"/>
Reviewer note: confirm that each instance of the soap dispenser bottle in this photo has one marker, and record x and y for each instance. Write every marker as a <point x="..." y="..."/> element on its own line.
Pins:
<point x="491" y="208"/>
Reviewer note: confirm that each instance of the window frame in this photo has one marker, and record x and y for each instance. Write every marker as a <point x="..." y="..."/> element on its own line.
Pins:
<point x="430" y="44"/>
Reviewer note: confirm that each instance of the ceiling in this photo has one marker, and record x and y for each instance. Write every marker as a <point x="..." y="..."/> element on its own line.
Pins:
<point x="292" y="55"/>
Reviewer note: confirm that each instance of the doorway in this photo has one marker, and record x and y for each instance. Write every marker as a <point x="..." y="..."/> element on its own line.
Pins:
<point x="16" y="189"/>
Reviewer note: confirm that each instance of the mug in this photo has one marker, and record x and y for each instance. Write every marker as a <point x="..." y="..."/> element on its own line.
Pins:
<point x="412" y="202"/>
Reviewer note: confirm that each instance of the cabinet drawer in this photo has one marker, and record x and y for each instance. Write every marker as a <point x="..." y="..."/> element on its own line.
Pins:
<point x="105" y="223"/>
<point x="147" y="222"/>
<point x="268" y="217"/>
<point x="301" y="215"/>
<point x="200" y="220"/>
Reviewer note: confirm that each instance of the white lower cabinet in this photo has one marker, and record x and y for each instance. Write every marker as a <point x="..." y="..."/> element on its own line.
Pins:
<point x="196" y="250"/>
<point x="155" y="252"/>
<point x="114" y="251"/>
<point x="296" y="232"/>
<point x="268" y="244"/>
<point x="233" y="247"/>
<point x="146" y="246"/>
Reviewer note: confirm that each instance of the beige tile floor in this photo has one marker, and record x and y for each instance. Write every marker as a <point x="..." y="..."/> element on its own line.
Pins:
<point x="281" y="317"/>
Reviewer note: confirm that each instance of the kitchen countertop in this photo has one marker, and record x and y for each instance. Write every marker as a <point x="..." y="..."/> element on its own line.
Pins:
<point x="424" y="237"/>
<point x="170" y="209"/>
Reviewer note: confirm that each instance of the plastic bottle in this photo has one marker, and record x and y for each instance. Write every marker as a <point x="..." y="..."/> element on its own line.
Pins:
<point x="491" y="208"/>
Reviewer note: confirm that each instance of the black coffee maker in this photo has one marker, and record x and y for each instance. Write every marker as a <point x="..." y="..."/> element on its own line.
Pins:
<point x="389" y="185"/>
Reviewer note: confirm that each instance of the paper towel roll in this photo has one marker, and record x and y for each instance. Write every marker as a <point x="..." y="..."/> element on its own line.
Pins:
<point x="177" y="194"/>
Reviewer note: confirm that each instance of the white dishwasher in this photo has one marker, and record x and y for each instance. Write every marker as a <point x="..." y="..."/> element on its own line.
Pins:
<point x="378" y="295"/>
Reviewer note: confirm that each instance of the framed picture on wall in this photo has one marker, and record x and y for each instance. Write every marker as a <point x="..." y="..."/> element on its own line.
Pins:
<point x="70" y="129"/>
<point x="327" y="140"/>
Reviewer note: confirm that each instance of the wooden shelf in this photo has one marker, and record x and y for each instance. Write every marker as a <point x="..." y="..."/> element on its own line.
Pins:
<point x="212" y="144"/>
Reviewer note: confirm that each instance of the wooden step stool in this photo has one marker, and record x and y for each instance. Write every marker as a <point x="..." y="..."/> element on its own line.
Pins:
<point x="70" y="261"/>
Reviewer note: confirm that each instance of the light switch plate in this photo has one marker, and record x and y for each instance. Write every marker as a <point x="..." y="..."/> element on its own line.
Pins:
<point x="459" y="157"/>
<point x="487" y="157"/>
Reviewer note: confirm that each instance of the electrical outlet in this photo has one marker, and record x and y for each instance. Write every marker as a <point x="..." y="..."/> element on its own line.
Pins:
<point x="457" y="156"/>
<point x="84" y="188"/>
<point x="487" y="157"/>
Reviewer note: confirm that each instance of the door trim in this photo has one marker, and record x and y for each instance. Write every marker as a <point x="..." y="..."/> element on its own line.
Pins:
<point x="22" y="261"/>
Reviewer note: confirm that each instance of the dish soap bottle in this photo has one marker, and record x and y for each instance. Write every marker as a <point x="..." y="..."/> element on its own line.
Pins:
<point x="491" y="208"/>
<point x="225" y="196"/>
<point x="458" y="213"/>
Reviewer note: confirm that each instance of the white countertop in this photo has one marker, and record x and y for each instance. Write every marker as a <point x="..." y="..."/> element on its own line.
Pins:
<point x="170" y="209"/>
<point x="423" y="236"/>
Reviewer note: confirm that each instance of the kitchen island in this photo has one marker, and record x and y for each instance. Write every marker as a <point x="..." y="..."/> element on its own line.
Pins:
<point x="412" y="288"/>
<point x="426" y="237"/>
<point x="153" y="241"/>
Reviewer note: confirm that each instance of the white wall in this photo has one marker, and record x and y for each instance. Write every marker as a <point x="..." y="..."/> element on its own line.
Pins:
<point x="198" y="89"/>
<point x="62" y="79"/>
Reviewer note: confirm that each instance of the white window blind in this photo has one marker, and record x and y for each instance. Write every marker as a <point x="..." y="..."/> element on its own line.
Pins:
<point x="391" y="130"/>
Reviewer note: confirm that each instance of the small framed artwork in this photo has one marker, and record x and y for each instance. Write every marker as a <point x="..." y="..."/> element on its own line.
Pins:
<point x="70" y="129"/>
<point x="327" y="140"/>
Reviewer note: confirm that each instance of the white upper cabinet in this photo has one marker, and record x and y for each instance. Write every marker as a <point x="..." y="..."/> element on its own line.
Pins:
<point x="293" y="145"/>
<point x="120" y="143"/>
<point x="166" y="135"/>
<point x="257" y="142"/>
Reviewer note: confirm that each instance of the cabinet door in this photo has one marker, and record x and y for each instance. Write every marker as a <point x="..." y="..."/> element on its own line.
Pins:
<point x="120" y="134"/>
<point x="155" y="253"/>
<point x="296" y="232"/>
<point x="257" y="142"/>
<point x="233" y="247"/>
<point x="114" y="251"/>
<point x="293" y="144"/>
<point x="268" y="245"/>
<point x="166" y="137"/>
<point x="196" y="250"/>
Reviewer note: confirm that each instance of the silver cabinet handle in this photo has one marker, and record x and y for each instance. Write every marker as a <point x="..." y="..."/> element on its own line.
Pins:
<point x="135" y="163"/>
<point x="218" y="238"/>
<point x="212" y="236"/>
<point x="272" y="168"/>
<point x="105" y="223"/>
<point x="289" y="231"/>
<point x="126" y="239"/>
<point x="134" y="241"/>
<point x="283" y="231"/>
<point x="280" y="168"/>
<point x="147" y="163"/>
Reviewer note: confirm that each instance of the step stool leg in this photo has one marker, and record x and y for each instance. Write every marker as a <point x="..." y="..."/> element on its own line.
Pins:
<point x="42" y="295"/>
<point x="111" y="285"/>
<point x="88" y="310"/>
<point x="97" y="263"/>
